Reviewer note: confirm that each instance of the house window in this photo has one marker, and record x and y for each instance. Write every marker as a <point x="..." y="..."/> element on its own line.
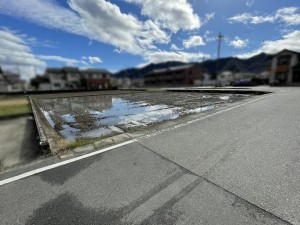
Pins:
<point x="296" y="76"/>
<point x="284" y="60"/>
<point x="55" y="76"/>
<point x="73" y="75"/>
<point x="57" y="85"/>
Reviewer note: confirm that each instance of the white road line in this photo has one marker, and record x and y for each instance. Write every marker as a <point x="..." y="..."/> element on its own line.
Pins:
<point x="30" y="173"/>
<point x="36" y="171"/>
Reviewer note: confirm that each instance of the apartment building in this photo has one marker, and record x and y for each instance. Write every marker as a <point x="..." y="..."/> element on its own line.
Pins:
<point x="186" y="75"/>
<point x="285" y="68"/>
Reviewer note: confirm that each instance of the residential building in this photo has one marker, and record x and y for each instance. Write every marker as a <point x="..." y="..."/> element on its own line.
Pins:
<point x="3" y="82"/>
<point x="57" y="78"/>
<point x="285" y="68"/>
<point x="186" y="75"/>
<point x="95" y="79"/>
<point x="208" y="81"/>
<point x="73" y="77"/>
<point x="66" y="78"/>
<point x="225" y="78"/>
<point x="11" y="82"/>
<point x="41" y="83"/>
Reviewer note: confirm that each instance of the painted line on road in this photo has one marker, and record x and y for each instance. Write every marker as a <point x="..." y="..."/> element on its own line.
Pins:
<point x="36" y="171"/>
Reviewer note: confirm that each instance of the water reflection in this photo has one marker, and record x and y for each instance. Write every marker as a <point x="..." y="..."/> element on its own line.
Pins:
<point x="94" y="116"/>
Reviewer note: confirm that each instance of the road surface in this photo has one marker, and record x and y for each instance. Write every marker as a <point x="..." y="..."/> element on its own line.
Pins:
<point x="238" y="166"/>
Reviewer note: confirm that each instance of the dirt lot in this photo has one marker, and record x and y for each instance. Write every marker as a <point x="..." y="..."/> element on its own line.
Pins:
<point x="97" y="116"/>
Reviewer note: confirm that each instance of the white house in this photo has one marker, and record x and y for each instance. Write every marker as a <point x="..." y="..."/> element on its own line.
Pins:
<point x="225" y="78"/>
<point x="65" y="78"/>
<point x="11" y="82"/>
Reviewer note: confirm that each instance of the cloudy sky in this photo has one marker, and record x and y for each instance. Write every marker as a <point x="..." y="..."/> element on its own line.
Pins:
<point x="117" y="34"/>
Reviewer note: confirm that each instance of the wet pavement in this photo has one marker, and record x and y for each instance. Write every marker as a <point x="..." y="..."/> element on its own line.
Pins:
<point x="105" y="115"/>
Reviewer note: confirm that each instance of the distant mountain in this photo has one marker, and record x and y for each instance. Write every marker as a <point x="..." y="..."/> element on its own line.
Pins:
<point x="133" y="73"/>
<point x="254" y="64"/>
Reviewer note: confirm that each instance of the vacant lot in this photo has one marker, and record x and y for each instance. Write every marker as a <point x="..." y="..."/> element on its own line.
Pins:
<point x="98" y="116"/>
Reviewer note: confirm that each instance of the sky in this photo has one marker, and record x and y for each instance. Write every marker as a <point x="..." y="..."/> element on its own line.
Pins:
<point x="118" y="34"/>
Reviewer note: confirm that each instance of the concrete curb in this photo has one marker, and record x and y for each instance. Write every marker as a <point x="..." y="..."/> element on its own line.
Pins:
<point x="233" y="90"/>
<point x="43" y="139"/>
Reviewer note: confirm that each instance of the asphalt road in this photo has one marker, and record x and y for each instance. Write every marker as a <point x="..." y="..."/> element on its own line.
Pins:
<point x="18" y="141"/>
<point x="240" y="166"/>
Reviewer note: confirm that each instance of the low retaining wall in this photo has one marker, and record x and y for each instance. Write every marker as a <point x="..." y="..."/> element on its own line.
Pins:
<point x="43" y="139"/>
<point x="50" y="141"/>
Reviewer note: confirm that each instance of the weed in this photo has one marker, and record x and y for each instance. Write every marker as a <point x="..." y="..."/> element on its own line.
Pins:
<point x="78" y="143"/>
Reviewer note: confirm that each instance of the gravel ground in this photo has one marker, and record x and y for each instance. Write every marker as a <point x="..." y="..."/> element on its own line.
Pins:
<point x="93" y="116"/>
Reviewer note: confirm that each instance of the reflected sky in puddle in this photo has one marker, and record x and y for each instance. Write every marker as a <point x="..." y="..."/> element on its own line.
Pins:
<point x="69" y="132"/>
<point x="109" y="115"/>
<point x="131" y="114"/>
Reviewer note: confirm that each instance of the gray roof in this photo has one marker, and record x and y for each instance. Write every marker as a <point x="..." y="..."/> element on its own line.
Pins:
<point x="54" y="70"/>
<point x="174" y="68"/>
<point x="70" y="69"/>
<point x="287" y="50"/>
<point x="94" y="70"/>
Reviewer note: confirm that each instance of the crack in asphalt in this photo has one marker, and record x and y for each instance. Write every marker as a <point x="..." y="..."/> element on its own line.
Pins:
<point x="214" y="184"/>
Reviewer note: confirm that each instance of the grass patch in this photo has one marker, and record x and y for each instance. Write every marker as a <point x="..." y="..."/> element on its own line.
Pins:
<point x="156" y="90"/>
<point x="78" y="143"/>
<point x="81" y="142"/>
<point x="14" y="106"/>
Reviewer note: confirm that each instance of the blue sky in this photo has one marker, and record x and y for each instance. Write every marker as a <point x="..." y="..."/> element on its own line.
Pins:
<point x="116" y="34"/>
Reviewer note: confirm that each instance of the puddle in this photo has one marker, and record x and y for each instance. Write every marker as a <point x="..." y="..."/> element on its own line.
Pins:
<point x="202" y="109"/>
<point x="94" y="116"/>
<point x="224" y="97"/>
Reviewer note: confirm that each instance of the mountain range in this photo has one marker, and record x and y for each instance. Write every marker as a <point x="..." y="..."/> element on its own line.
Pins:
<point x="256" y="64"/>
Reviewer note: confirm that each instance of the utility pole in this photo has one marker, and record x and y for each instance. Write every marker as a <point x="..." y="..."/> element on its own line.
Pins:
<point x="220" y="37"/>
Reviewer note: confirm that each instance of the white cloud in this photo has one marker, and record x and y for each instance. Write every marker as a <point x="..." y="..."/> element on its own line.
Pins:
<point x="46" y="13"/>
<point x="164" y="56"/>
<point x="193" y="41"/>
<point x="208" y="17"/>
<point x="288" y="16"/>
<point x="249" y="3"/>
<point x="98" y="20"/>
<point x="14" y="50"/>
<point x="289" y="41"/>
<point x="246" y="18"/>
<point x="238" y="42"/>
<point x="90" y="59"/>
<point x="108" y="24"/>
<point x="169" y="14"/>
<point x="103" y="21"/>
<point x="209" y="37"/>
<point x="16" y="54"/>
<point x="94" y="59"/>
<point x="67" y="61"/>
<point x="175" y="48"/>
